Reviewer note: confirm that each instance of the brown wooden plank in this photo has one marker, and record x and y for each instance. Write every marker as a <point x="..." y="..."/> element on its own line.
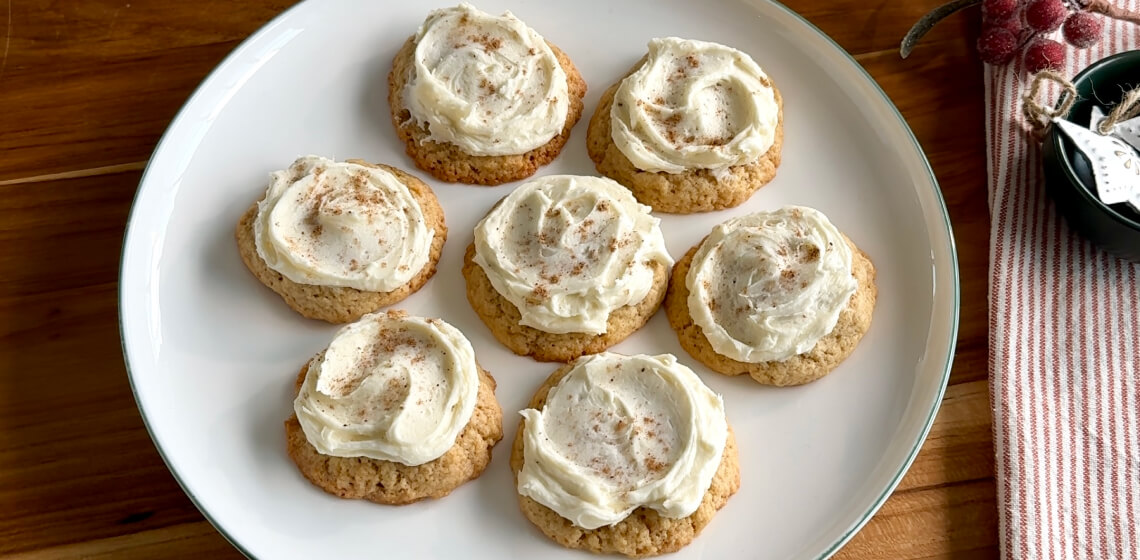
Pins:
<point x="864" y="27"/>
<point x="62" y="234"/>
<point x="947" y="522"/>
<point x="94" y="83"/>
<point x="192" y="541"/>
<point x="945" y="504"/>
<point x="77" y="174"/>
<point x="75" y="460"/>
<point x="959" y="447"/>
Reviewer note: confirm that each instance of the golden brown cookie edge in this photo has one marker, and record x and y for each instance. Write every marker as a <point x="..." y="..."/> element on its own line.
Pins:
<point x="448" y="162"/>
<point x="824" y="357"/>
<point x="654" y="534"/>
<point x="689" y="192"/>
<point x="502" y="318"/>
<point x="338" y="304"/>
<point x="392" y="483"/>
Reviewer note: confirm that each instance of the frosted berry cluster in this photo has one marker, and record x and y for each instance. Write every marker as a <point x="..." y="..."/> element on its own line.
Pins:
<point x="1010" y="27"/>
<point x="1020" y="28"/>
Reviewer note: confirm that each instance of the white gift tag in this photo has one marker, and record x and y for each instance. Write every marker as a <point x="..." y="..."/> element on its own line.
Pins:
<point x="1095" y="116"/>
<point x="1115" y="165"/>
<point x="1128" y="131"/>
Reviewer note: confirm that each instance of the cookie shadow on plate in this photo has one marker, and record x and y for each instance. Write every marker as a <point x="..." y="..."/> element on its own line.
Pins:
<point x="207" y="297"/>
<point x="263" y="442"/>
<point x="496" y="488"/>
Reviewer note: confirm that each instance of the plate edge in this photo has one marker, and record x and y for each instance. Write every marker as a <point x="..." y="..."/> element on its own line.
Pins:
<point x="832" y="549"/>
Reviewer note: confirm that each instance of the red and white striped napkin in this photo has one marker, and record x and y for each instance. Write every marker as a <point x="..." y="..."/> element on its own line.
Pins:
<point x="1064" y="349"/>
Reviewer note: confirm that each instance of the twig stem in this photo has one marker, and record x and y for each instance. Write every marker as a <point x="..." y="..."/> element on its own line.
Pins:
<point x="927" y="23"/>
<point x="1114" y="12"/>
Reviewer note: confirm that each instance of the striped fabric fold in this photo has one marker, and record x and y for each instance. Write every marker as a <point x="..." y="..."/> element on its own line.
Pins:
<point x="1064" y="349"/>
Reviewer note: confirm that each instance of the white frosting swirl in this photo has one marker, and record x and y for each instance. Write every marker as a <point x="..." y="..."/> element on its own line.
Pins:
<point x="341" y="224"/>
<point x="694" y="105"/>
<point x="568" y="250"/>
<point x="621" y="432"/>
<point x="767" y="286"/>
<point x="390" y="387"/>
<point x="490" y="85"/>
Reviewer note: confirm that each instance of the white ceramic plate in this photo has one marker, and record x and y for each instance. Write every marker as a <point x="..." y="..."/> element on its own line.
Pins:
<point x="212" y="354"/>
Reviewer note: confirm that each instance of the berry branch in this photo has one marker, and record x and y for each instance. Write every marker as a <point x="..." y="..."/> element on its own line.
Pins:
<point x="1010" y="27"/>
<point x="927" y="23"/>
<point x="1114" y="12"/>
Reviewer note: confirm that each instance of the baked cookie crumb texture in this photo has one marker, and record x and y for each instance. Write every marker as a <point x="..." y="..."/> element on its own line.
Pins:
<point x="644" y="532"/>
<point x="503" y="318"/>
<point x="311" y="295"/>
<point x="566" y="265"/>
<point x="393" y="457"/>
<point x="695" y="126"/>
<point x="508" y="118"/>
<point x="827" y="353"/>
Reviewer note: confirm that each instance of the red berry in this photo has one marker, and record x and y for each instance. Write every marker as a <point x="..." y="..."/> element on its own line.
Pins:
<point x="1013" y="25"/>
<point x="996" y="45"/>
<point x="1044" y="54"/>
<point x="1082" y="29"/>
<point x="1045" y="15"/>
<point x="998" y="10"/>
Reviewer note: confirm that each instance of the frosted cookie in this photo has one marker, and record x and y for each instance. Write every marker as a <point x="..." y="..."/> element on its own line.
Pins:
<point x="395" y="410"/>
<point x="482" y="99"/>
<point x="782" y="296"/>
<point x="337" y="240"/>
<point x="566" y="265"/>
<point x="624" y="454"/>
<point x="695" y="126"/>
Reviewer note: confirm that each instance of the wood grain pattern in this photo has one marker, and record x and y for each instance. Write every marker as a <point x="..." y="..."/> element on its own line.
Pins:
<point x="86" y="89"/>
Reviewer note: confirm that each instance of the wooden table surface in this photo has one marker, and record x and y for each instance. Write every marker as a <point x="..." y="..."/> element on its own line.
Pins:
<point x="87" y="88"/>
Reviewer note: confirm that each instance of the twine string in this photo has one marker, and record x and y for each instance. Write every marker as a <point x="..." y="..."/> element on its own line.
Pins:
<point x="1128" y="107"/>
<point x="1040" y="115"/>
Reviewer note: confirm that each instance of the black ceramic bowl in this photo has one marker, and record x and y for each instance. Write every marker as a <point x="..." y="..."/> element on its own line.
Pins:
<point x="1115" y="228"/>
